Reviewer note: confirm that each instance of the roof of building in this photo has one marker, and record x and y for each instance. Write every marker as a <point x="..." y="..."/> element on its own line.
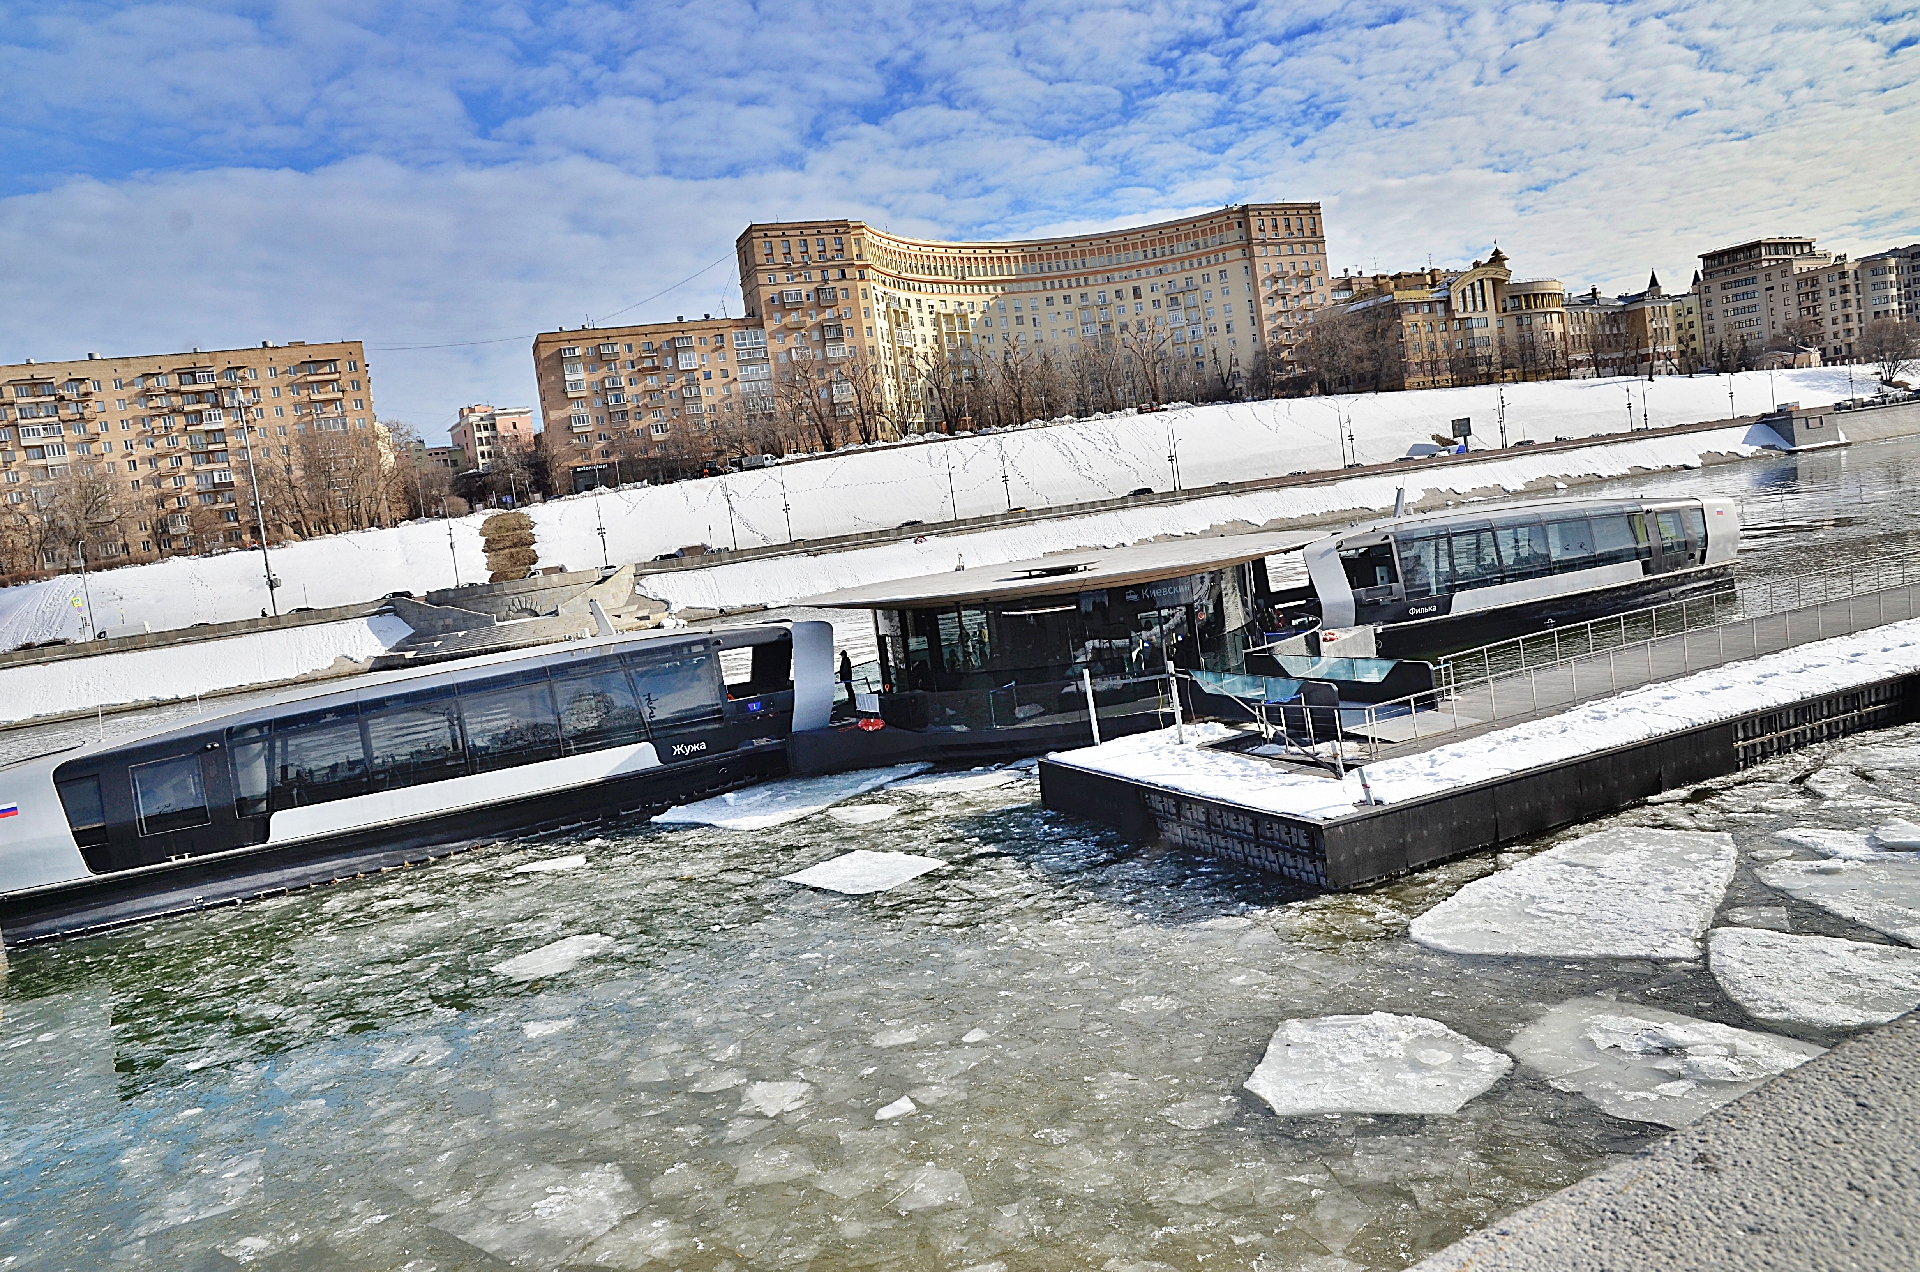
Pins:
<point x="1065" y="573"/>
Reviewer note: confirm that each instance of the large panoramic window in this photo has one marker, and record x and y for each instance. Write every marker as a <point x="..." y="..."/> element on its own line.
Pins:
<point x="597" y="708"/>
<point x="169" y="795"/>
<point x="511" y="721"/>
<point x="1476" y="562"/>
<point x="318" y="757"/>
<point x="1618" y="538"/>
<point x="1571" y="544"/>
<point x="1426" y="565"/>
<point x="413" y="739"/>
<point x="1523" y="550"/>
<point x="678" y="691"/>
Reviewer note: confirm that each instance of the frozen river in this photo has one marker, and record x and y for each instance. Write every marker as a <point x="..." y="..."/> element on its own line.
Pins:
<point x="360" y="1077"/>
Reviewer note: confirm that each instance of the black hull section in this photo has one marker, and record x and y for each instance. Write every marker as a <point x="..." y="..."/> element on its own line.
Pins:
<point x="113" y="900"/>
<point x="1436" y="637"/>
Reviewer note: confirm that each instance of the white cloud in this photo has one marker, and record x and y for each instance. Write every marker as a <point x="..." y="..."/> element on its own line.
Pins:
<point x="431" y="173"/>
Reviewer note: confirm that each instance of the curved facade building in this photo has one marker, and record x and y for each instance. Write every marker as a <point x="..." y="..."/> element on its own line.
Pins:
<point x="1209" y="290"/>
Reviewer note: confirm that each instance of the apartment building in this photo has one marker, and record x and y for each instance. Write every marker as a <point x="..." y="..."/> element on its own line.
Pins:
<point x="1688" y="345"/>
<point x="1472" y="326"/>
<point x="1752" y="295"/>
<point x="849" y="323"/>
<point x="139" y="457"/>
<point x="665" y="389"/>
<point x="481" y="432"/>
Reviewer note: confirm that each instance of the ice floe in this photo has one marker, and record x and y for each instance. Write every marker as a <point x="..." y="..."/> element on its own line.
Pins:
<point x="1814" y="980"/>
<point x="1758" y="916"/>
<point x="1898" y="835"/>
<point x="1626" y="892"/>
<point x="1844" y="844"/>
<point x="538" y="1215"/>
<point x="546" y="864"/>
<point x="1378" y="1063"/>
<point x="899" y="1108"/>
<point x="769" y="1099"/>
<point x="1649" y="1065"/>
<point x="982" y="779"/>
<point x="864" y="814"/>
<point x="930" y="1187"/>
<point x="789" y="800"/>
<point x="1883" y="894"/>
<point x="551" y="960"/>
<point x="859" y="872"/>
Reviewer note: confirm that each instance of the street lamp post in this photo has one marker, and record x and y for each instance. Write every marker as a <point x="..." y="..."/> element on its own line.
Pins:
<point x="247" y="433"/>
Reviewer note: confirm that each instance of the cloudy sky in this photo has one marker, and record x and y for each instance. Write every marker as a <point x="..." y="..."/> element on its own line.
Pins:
<point x="442" y="180"/>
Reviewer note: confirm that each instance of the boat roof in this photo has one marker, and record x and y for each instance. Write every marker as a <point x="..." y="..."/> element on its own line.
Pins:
<point x="1536" y="507"/>
<point x="378" y="683"/>
<point x="1068" y="573"/>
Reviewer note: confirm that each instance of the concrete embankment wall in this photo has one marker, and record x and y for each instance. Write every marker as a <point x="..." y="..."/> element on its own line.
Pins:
<point x="169" y="671"/>
<point x="1813" y="1170"/>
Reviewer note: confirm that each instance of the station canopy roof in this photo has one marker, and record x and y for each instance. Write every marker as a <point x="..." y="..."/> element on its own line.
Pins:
<point x="1066" y="573"/>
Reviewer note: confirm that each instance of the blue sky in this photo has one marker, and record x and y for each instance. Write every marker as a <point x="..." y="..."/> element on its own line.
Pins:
<point x="185" y="174"/>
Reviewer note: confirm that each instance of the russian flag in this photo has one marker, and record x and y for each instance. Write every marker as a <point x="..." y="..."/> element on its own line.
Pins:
<point x="9" y="810"/>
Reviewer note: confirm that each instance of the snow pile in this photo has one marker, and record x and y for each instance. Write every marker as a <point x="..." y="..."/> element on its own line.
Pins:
<point x="191" y="668"/>
<point x="1649" y="1065"/>
<point x="777" y="803"/>
<point x="1378" y="1063"/>
<point x="1814" y="980"/>
<point x="553" y="960"/>
<point x="861" y="871"/>
<point x="1883" y="894"/>
<point x="1158" y="759"/>
<point x="1628" y="892"/>
<point x="881" y="488"/>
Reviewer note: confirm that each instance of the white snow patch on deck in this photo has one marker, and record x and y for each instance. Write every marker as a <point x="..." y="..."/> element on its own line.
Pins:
<point x="1814" y="980"/>
<point x="552" y="960"/>
<point x="1378" y="1063"/>
<point x="1627" y="892"/>
<point x="1649" y="1065"/>
<point x="861" y="871"/>
<point x="777" y="803"/>
<point x="1157" y="759"/>
<point x="1883" y="894"/>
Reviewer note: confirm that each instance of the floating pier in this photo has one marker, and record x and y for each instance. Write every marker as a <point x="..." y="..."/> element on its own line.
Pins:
<point x="1530" y="752"/>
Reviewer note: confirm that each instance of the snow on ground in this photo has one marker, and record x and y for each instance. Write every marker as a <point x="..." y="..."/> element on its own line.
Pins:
<point x="932" y="481"/>
<point x="1882" y="893"/>
<point x="1626" y="892"/>
<point x="185" y="670"/>
<point x="551" y="960"/>
<point x="788" y="800"/>
<point x="1814" y="980"/>
<point x="1377" y="1063"/>
<point x="1649" y="1065"/>
<point x="862" y="871"/>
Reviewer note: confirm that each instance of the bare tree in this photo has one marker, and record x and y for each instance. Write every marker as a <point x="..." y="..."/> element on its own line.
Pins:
<point x="1892" y="345"/>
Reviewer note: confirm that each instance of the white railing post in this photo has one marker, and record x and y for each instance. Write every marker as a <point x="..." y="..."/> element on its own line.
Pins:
<point x="1093" y="716"/>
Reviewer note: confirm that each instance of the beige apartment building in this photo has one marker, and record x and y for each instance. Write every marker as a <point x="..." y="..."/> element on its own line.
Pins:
<point x="854" y="333"/>
<point x="1751" y="296"/>
<point x="480" y="433"/>
<point x="1629" y="334"/>
<point x="141" y="457"/>
<point x="1689" y="350"/>
<point x="1472" y="326"/>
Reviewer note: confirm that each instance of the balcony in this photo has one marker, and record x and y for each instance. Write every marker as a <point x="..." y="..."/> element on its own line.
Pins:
<point x="576" y="388"/>
<point x="839" y="351"/>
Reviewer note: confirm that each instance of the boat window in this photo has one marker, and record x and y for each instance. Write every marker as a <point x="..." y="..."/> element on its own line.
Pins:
<point x="1571" y="545"/>
<point x="86" y="815"/>
<point x="1426" y="566"/>
<point x="168" y="795"/>
<point x="597" y="708"/>
<point x="964" y="642"/>
<point x="1673" y="535"/>
<point x="1617" y="539"/>
<point x="1368" y="567"/>
<point x="1696" y="523"/>
<point x="248" y="750"/>
<point x="510" y="721"/>
<point x="1523" y="549"/>
<point x="678" y="690"/>
<point x="1476" y="563"/>
<point x="318" y="757"/>
<point x="414" y="739"/>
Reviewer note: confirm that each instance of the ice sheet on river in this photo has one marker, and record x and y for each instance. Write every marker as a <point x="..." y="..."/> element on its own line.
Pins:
<point x="1627" y="892"/>
<point x="980" y="779"/>
<point x="1882" y="893"/>
<point x="862" y="871"/>
<point x="1649" y="1065"/>
<point x="1814" y="980"/>
<point x="787" y="800"/>
<point x="551" y="960"/>
<point x="1378" y="1063"/>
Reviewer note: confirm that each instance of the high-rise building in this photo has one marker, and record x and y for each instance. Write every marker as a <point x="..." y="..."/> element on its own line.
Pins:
<point x="140" y="457"/>
<point x="852" y="333"/>
<point x="1750" y="296"/>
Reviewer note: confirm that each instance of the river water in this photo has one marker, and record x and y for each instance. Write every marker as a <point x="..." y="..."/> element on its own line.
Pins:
<point x="344" y="1078"/>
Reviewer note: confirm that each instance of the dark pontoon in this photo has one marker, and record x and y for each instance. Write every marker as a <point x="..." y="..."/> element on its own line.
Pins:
<point x="321" y="785"/>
